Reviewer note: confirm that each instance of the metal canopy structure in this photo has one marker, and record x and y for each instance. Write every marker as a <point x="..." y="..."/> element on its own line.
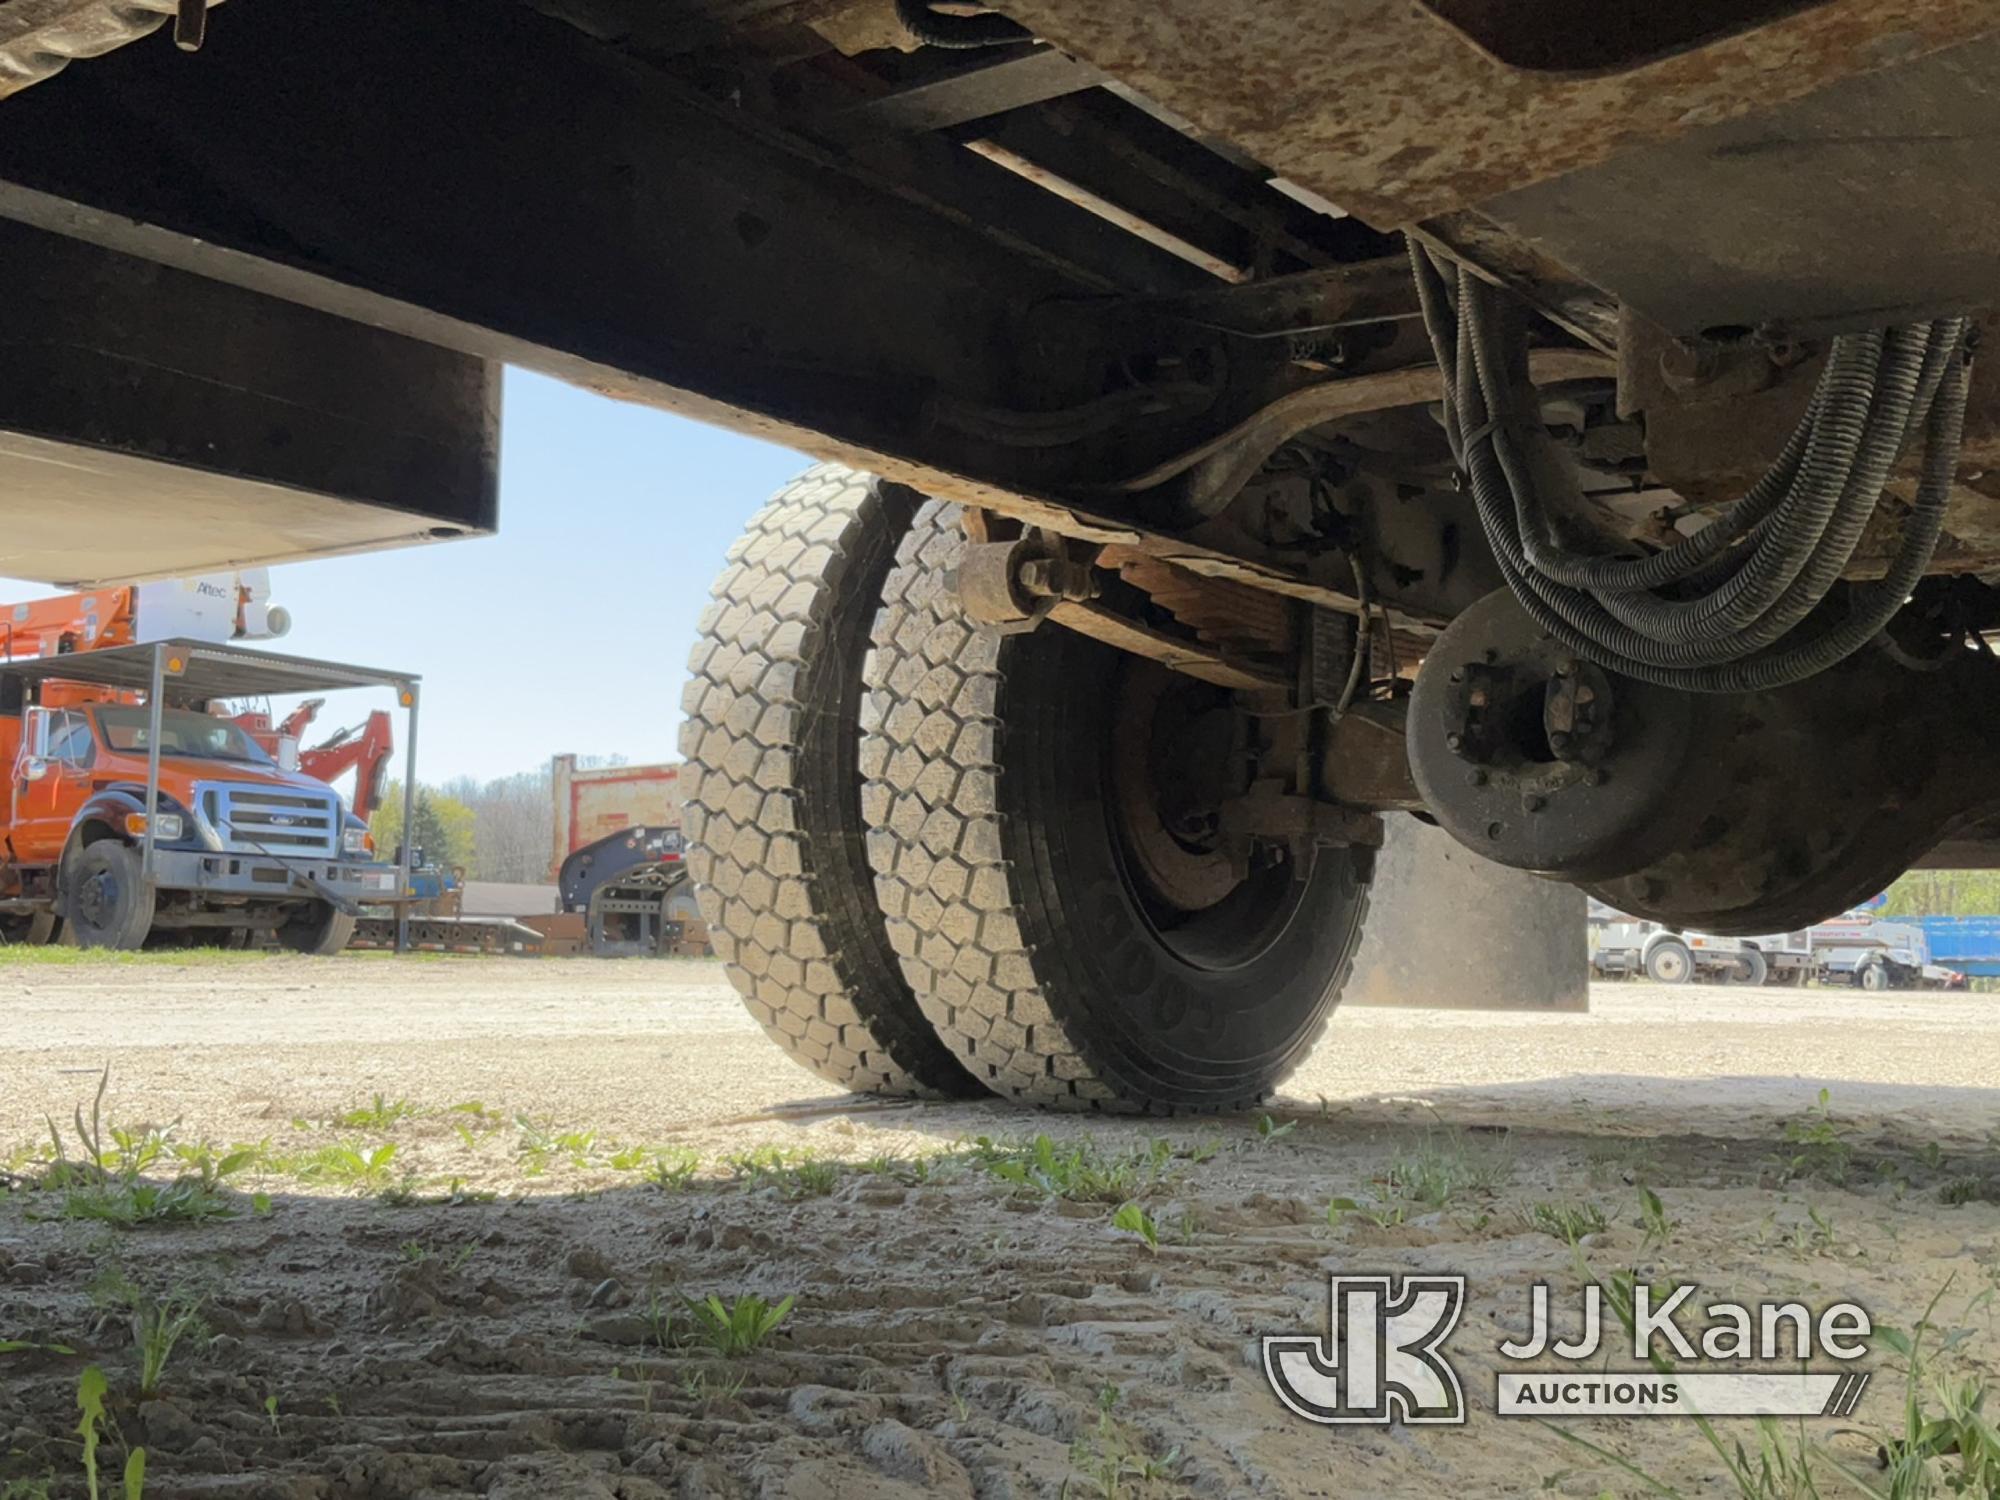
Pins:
<point x="196" y="671"/>
<point x="193" y="672"/>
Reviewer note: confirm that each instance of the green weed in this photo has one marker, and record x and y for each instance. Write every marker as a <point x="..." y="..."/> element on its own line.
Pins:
<point x="1568" y="1222"/>
<point x="1105" y="1459"/>
<point x="91" y="1388"/>
<point x="791" y="1175"/>
<point x="1440" y="1167"/>
<point x="380" y="1114"/>
<point x="359" y="1168"/>
<point x="1952" y="1449"/>
<point x="542" y="1146"/>
<point x="108" y="1182"/>
<point x="1653" y="1218"/>
<point x="1132" y="1219"/>
<point x="1818" y="1146"/>
<point x="733" y="1328"/>
<point x="23" y="1346"/>
<point x="159" y="1324"/>
<point x="1338" y="1209"/>
<point x="1081" y="1173"/>
<point x="673" y="1171"/>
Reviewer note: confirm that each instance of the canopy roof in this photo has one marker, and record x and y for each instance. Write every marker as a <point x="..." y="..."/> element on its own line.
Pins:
<point x="196" y="671"/>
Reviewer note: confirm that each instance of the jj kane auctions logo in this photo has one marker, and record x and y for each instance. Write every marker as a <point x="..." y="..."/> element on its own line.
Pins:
<point x="1382" y="1359"/>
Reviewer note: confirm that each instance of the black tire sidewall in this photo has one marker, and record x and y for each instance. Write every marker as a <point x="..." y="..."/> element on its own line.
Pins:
<point x="129" y="922"/>
<point x="319" y="929"/>
<point x="1155" y="1026"/>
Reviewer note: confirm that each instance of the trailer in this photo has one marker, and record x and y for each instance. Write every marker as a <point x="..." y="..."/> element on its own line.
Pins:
<point x="1969" y="946"/>
<point x="619" y="862"/>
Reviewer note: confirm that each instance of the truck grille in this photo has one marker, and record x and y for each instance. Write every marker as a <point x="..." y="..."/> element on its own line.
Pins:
<point x="251" y="820"/>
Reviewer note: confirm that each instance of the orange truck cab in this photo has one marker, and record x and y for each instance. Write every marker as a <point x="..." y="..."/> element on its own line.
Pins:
<point x="126" y="818"/>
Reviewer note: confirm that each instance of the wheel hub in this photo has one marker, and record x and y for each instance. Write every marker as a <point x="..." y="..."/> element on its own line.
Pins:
<point x="97" y="898"/>
<point x="1173" y="739"/>
<point x="1178" y="748"/>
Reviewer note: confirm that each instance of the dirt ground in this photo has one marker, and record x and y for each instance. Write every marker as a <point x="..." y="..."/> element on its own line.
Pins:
<point x="468" y="1202"/>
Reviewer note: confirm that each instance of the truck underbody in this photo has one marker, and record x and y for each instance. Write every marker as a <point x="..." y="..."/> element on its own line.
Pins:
<point x="1231" y="344"/>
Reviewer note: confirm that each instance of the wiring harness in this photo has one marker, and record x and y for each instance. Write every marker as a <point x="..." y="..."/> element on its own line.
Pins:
<point x="1737" y="606"/>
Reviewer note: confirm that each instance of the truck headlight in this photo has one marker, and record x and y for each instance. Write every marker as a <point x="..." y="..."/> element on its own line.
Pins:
<point x="166" y="825"/>
<point x="356" y="841"/>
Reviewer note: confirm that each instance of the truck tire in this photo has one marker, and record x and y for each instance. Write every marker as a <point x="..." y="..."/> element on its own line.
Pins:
<point x="1008" y="779"/>
<point x="1752" y="968"/>
<point x="1873" y="976"/>
<point x="1670" y="962"/>
<point x="318" y="928"/>
<point x="107" y="904"/>
<point x="28" y="929"/>
<point x="773" y="796"/>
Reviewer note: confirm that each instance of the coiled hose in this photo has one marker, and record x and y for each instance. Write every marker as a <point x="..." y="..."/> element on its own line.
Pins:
<point x="1745" y="612"/>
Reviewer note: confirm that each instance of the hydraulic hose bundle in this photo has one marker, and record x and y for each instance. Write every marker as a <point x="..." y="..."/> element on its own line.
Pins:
<point x="1737" y="607"/>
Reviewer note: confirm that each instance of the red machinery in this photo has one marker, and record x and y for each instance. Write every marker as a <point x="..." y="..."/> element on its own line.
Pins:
<point x="363" y="749"/>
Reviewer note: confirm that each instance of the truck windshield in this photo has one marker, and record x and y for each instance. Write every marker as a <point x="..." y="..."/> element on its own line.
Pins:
<point x="181" y="733"/>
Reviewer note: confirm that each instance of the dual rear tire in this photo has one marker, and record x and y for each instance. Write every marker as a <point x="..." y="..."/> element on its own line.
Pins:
<point x="940" y="860"/>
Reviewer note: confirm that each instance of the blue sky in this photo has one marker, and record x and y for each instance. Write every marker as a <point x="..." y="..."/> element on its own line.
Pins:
<point x="570" y="629"/>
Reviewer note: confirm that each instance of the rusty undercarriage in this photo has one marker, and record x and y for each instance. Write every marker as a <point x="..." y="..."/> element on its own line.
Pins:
<point x="1560" y="422"/>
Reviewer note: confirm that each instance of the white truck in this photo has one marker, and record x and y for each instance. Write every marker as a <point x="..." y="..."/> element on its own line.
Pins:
<point x="1857" y="950"/>
<point x="1623" y="946"/>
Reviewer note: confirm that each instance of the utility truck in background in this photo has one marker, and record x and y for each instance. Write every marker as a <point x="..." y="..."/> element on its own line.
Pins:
<point x="138" y="805"/>
<point x="1624" y="947"/>
<point x="1871" y="953"/>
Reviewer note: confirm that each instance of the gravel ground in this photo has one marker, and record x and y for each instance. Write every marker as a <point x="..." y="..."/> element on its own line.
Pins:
<point x="492" y="1324"/>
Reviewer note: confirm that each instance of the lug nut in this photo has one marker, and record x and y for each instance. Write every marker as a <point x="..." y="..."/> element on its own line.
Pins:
<point x="1536" y="803"/>
<point x="1453" y="741"/>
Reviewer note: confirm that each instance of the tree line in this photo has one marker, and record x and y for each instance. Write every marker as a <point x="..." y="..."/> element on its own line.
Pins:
<point x="503" y="829"/>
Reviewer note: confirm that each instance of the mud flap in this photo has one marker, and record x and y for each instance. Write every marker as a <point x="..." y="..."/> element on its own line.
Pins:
<point x="1450" y="930"/>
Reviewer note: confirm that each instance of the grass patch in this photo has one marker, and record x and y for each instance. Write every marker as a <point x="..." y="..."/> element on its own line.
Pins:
<point x="1568" y="1222"/>
<point x="1104" y="1459"/>
<point x="1440" y="1167"/>
<point x="1082" y="1173"/>
<point x="60" y="956"/>
<point x="357" y="1167"/>
<point x="792" y="1175"/>
<point x="115" y="1175"/>
<point x="542" y="1146"/>
<point x="380" y="1114"/>
<point x="1948" y="1446"/>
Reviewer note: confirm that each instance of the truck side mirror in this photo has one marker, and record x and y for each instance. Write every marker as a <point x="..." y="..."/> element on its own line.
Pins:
<point x="34" y="768"/>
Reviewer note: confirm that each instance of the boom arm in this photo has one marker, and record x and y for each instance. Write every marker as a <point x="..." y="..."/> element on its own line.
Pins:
<point x="367" y="752"/>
